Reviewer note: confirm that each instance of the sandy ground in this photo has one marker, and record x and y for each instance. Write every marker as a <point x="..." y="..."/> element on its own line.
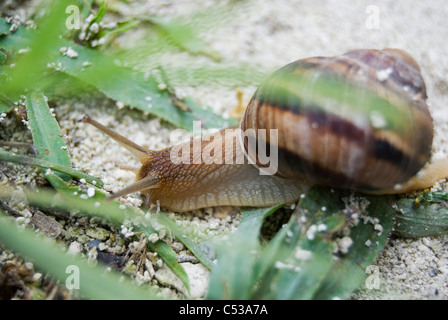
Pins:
<point x="269" y="34"/>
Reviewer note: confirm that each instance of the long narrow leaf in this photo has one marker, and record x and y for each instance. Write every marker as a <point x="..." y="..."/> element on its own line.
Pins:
<point x="4" y="106"/>
<point x="182" y="36"/>
<point x="11" y="157"/>
<point x="368" y="238"/>
<point x="198" y="252"/>
<point x="425" y="216"/>
<point x="28" y="68"/>
<point x="46" y="133"/>
<point x="94" y="282"/>
<point x="233" y="276"/>
<point x="132" y="88"/>
<point x="118" y="82"/>
<point x="95" y="205"/>
<point x="295" y="262"/>
<point x="169" y="257"/>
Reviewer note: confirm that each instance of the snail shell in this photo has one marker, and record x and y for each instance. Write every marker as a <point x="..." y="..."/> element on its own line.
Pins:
<point x="358" y="120"/>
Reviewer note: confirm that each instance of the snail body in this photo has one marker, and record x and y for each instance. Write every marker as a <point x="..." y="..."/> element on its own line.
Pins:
<point x="357" y="121"/>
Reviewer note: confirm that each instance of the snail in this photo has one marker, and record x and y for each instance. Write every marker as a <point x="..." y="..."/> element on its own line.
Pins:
<point x="358" y="121"/>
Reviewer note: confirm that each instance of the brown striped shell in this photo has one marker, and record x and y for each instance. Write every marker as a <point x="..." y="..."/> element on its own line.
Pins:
<point x="358" y="120"/>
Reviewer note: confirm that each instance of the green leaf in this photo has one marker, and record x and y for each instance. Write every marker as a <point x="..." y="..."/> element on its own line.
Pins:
<point x="193" y="247"/>
<point x="2" y="57"/>
<point x="427" y="215"/>
<point x="170" y="258"/>
<point x="94" y="281"/>
<point x="233" y="276"/>
<point x="29" y="67"/>
<point x="4" y="27"/>
<point x="131" y="88"/>
<point x="25" y="160"/>
<point x="96" y="206"/>
<point x="183" y="36"/>
<point x="300" y="261"/>
<point x="121" y="27"/>
<point x="300" y="279"/>
<point x="46" y="133"/>
<point x="106" y="74"/>
<point x="5" y="106"/>
<point x="430" y="198"/>
<point x="293" y="264"/>
<point x="369" y="237"/>
<point x="99" y="16"/>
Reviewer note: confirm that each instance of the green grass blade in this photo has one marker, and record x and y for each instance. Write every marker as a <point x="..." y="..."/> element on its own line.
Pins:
<point x="296" y="279"/>
<point x="4" y="106"/>
<point x="193" y="247"/>
<point x="282" y="270"/>
<point x="425" y="216"/>
<point x="46" y="133"/>
<point x="121" y="27"/>
<point x="182" y="36"/>
<point x="170" y="258"/>
<point x="29" y="67"/>
<point x="70" y="198"/>
<point x="25" y="160"/>
<point x="133" y="89"/>
<point x="254" y="217"/>
<point x="233" y="276"/>
<point x="99" y="16"/>
<point x="101" y="71"/>
<point x="94" y="281"/>
<point x="4" y="27"/>
<point x="369" y="237"/>
<point x="300" y="263"/>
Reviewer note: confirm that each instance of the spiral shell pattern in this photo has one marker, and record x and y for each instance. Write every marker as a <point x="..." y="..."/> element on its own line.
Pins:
<point x="358" y="120"/>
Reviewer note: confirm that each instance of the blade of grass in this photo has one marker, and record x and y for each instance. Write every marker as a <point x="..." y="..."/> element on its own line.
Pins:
<point x="29" y="67"/>
<point x="121" y="27"/>
<point x="119" y="83"/>
<point x="233" y="276"/>
<point x="4" y="106"/>
<point x="25" y="160"/>
<point x="296" y="261"/>
<point x="300" y="262"/>
<point x="70" y="198"/>
<point x="369" y="237"/>
<point x="318" y="274"/>
<point x="168" y="256"/>
<point x="133" y="89"/>
<point x="101" y="12"/>
<point x="46" y="133"/>
<point x="427" y="215"/>
<point x="94" y="281"/>
<point x="4" y="27"/>
<point x="297" y="279"/>
<point x="193" y="247"/>
<point x="182" y="36"/>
